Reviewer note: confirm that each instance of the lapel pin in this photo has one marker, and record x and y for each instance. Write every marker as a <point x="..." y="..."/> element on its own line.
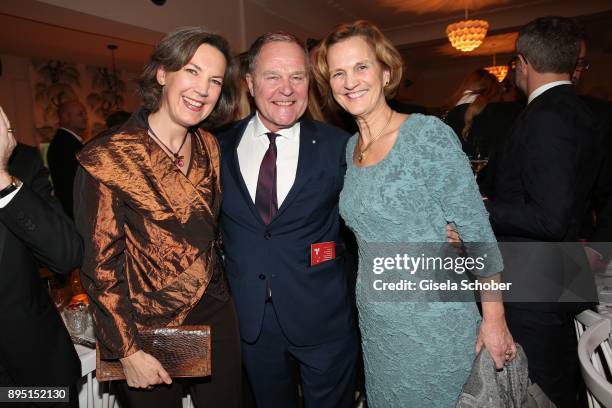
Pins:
<point x="314" y="141"/>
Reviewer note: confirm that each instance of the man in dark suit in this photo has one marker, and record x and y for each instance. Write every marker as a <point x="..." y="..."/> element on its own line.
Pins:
<point x="61" y="155"/>
<point x="542" y="189"/>
<point x="281" y="176"/>
<point x="35" y="349"/>
<point x="597" y="228"/>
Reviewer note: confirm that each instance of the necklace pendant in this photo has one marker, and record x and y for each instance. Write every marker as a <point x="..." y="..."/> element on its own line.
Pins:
<point x="179" y="161"/>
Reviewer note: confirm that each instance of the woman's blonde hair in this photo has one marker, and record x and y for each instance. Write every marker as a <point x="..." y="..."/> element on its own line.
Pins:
<point x="487" y="89"/>
<point x="386" y="54"/>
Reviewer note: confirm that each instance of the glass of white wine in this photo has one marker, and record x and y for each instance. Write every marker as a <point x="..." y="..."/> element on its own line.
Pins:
<point x="478" y="160"/>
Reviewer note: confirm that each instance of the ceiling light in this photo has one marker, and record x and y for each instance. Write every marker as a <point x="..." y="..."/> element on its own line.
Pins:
<point x="500" y="71"/>
<point x="467" y="35"/>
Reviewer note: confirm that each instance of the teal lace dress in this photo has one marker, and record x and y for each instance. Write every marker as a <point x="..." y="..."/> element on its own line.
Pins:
<point x="416" y="354"/>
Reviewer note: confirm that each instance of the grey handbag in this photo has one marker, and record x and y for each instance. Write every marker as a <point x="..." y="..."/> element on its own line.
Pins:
<point x="488" y="388"/>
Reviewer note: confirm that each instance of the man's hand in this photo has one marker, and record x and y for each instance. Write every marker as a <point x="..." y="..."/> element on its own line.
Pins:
<point x="142" y="370"/>
<point x="7" y="145"/>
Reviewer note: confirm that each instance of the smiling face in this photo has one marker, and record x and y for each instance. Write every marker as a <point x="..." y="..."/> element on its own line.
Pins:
<point x="356" y="77"/>
<point x="279" y="84"/>
<point x="191" y="93"/>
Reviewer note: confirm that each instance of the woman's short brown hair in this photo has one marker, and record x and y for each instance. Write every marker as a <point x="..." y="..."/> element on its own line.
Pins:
<point x="385" y="52"/>
<point x="172" y="53"/>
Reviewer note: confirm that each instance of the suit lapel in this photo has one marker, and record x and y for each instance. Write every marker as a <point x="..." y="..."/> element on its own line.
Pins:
<point x="307" y="161"/>
<point x="233" y="165"/>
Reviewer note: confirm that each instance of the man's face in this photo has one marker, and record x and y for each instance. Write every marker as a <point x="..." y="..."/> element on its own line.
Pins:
<point x="279" y="84"/>
<point x="76" y="118"/>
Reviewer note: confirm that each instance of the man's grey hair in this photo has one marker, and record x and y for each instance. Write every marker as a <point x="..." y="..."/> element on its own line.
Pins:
<point x="278" y="36"/>
<point x="551" y="44"/>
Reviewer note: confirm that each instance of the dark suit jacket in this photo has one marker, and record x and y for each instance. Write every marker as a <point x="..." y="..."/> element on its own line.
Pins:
<point x="312" y="303"/>
<point x="544" y="182"/>
<point x="597" y="228"/>
<point x="35" y="348"/>
<point x="63" y="165"/>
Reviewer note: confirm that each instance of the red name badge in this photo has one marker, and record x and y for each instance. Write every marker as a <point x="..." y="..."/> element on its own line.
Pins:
<point x="321" y="252"/>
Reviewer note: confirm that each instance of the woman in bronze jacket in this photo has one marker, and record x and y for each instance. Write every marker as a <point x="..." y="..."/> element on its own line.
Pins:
<point x="147" y="202"/>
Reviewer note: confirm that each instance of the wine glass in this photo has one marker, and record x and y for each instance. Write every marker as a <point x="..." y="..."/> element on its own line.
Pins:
<point x="478" y="162"/>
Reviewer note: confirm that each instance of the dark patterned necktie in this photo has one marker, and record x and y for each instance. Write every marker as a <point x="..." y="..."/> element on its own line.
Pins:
<point x="265" y="196"/>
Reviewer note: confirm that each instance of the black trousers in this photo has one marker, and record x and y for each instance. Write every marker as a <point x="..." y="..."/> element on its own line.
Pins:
<point x="223" y="388"/>
<point x="549" y="341"/>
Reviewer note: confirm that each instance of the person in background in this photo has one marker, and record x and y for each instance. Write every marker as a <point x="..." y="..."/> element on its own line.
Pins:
<point x="427" y="184"/>
<point x="35" y="348"/>
<point x="237" y="72"/>
<point x="148" y="197"/>
<point x="476" y="92"/>
<point x="540" y="195"/>
<point x="597" y="226"/>
<point x="496" y="122"/>
<point x="61" y="156"/>
<point x="117" y="118"/>
<point x="482" y="120"/>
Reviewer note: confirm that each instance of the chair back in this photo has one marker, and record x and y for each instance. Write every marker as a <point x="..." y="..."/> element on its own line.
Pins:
<point x="595" y="356"/>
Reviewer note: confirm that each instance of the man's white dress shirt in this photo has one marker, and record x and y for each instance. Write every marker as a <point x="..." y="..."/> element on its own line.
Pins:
<point x="253" y="147"/>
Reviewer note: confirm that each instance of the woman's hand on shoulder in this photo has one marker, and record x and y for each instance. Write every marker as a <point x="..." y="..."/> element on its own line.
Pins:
<point x="142" y="370"/>
<point x="452" y="236"/>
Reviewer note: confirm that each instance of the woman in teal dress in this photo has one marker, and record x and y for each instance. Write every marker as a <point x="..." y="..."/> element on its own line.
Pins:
<point x="407" y="178"/>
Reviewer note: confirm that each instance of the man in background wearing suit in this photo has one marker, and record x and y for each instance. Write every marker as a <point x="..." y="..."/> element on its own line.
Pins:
<point x="61" y="155"/>
<point x="597" y="228"/>
<point x="35" y="348"/>
<point x="281" y="176"/>
<point x="542" y="189"/>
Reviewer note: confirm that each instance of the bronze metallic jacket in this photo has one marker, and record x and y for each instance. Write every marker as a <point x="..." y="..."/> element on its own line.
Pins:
<point x="150" y="232"/>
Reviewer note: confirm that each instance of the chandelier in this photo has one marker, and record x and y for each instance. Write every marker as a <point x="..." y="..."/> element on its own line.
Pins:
<point x="467" y="35"/>
<point x="500" y="71"/>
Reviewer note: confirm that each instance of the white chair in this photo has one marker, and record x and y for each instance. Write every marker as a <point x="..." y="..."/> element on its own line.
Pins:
<point x="595" y="356"/>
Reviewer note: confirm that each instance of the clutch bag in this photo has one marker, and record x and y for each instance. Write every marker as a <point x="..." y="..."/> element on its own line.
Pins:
<point x="183" y="351"/>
